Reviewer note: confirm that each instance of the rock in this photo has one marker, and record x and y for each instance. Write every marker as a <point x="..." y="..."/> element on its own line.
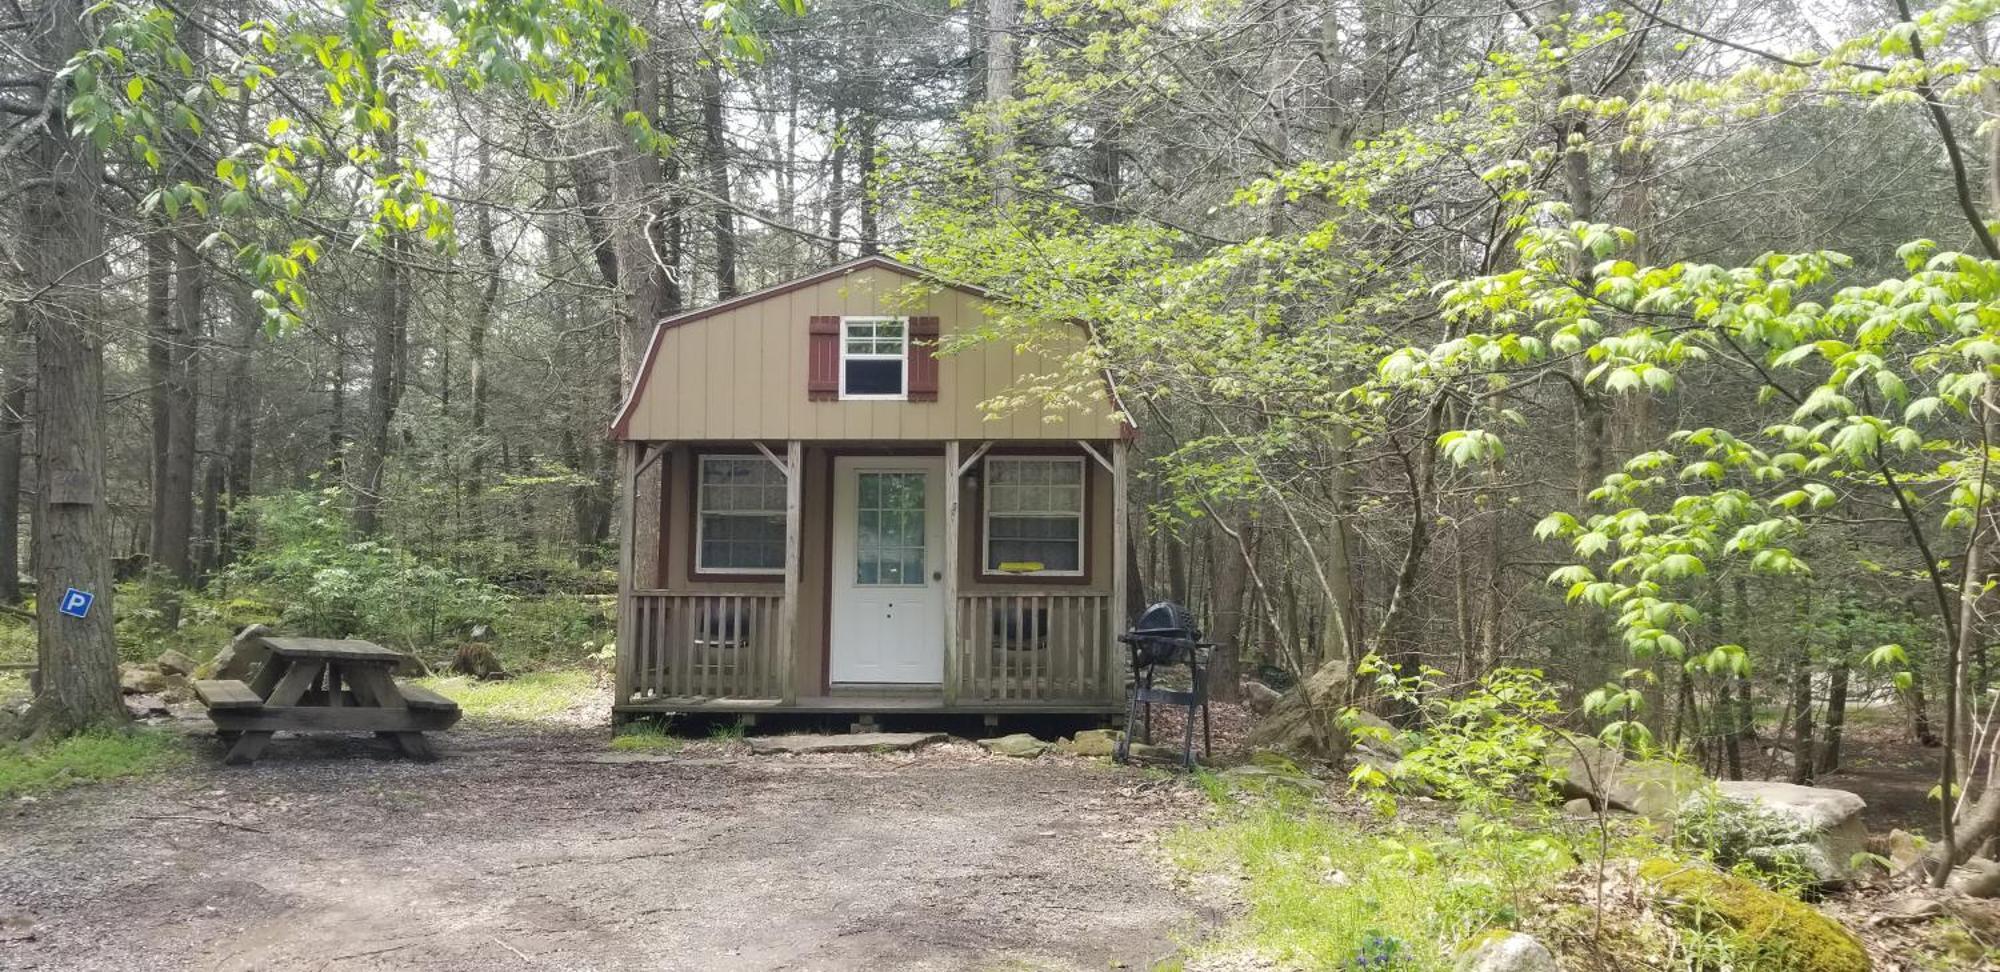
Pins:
<point x="1305" y="720"/>
<point x="1153" y="755"/>
<point x="1374" y="732"/>
<point x="16" y="926"/>
<point x="1832" y="817"/>
<point x="145" y="706"/>
<point x="1580" y="807"/>
<point x="1019" y="745"/>
<point x="857" y="742"/>
<point x="1904" y="850"/>
<point x="477" y="660"/>
<point x="174" y="663"/>
<point x="1653" y="788"/>
<point x="178" y="689"/>
<point x="1809" y="940"/>
<point x="244" y="655"/>
<point x="1259" y="698"/>
<point x="142" y="680"/>
<point x="1976" y="878"/>
<point x="1506" y="952"/>
<point x="1091" y="742"/>
<point x="481" y="632"/>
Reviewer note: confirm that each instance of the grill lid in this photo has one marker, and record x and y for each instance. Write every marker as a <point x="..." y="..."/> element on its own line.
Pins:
<point x="1165" y="619"/>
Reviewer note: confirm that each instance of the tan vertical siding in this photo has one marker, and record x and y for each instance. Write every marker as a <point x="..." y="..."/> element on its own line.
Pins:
<point x="741" y="374"/>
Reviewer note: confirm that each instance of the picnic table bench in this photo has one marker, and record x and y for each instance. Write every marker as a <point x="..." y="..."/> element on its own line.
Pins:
<point x="324" y="685"/>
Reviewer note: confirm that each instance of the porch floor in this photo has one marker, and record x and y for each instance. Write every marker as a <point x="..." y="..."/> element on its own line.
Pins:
<point x="901" y="703"/>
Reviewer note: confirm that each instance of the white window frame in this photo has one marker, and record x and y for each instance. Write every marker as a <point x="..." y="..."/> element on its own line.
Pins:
<point x="701" y="516"/>
<point x="902" y="357"/>
<point x="1082" y="520"/>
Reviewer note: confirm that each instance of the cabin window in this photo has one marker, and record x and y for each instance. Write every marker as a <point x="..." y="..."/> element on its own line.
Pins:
<point x="1034" y="516"/>
<point x="741" y="524"/>
<point x="874" y="357"/>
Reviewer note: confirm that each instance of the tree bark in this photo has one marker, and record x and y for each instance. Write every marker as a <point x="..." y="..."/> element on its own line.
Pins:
<point x="1836" y="717"/>
<point x="715" y="143"/>
<point x="14" y="386"/>
<point x="62" y="256"/>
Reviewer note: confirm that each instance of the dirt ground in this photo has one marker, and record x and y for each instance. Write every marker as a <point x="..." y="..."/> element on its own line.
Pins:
<point x="526" y="850"/>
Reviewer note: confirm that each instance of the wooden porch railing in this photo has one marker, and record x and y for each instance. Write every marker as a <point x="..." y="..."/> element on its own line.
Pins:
<point x="1036" y="646"/>
<point x="706" y="645"/>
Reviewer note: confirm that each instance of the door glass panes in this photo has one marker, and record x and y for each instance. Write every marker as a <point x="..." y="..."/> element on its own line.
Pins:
<point x="889" y="529"/>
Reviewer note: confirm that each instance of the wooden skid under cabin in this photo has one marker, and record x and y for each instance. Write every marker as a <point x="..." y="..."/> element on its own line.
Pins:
<point x="825" y="519"/>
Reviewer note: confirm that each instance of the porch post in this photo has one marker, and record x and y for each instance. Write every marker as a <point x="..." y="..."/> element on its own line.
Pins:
<point x="788" y="609"/>
<point x="1120" y="513"/>
<point x="627" y="524"/>
<point x="951" y="489"/>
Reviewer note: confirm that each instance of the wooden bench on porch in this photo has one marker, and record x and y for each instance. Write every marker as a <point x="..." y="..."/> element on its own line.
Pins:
<point x="324" y="685"/>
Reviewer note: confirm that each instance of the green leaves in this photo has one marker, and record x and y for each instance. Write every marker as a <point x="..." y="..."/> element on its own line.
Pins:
<point x="1467" y="446"/>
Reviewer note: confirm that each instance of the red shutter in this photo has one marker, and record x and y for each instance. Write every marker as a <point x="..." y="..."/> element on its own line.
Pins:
<point x="923" y="359"/>
<point x="823" y="359"/>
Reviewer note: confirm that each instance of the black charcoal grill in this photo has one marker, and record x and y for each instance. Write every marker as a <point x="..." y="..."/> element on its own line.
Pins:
<point x="1165" y="636"/>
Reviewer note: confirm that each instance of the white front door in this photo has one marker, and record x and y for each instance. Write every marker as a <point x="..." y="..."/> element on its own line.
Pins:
<point x="888" y="578"/>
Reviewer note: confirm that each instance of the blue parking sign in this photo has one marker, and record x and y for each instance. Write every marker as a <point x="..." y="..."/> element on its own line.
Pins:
<point x="76" y="603"/>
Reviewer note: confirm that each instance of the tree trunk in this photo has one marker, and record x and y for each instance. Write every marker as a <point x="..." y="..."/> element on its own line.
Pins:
<point x="62" y="256"/>
<point x="14" y="386"/>
<point x="1231" y="581"/>
<point x="715" y="154"/>
<point x="1002" y="16"/>
<point x="1836" y="716"/>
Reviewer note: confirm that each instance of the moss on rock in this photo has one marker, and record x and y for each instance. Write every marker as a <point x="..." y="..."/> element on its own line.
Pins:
<point x="1770" y="931"/>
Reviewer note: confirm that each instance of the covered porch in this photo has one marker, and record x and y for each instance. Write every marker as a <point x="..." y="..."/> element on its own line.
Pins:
<point x="969" y="577"/>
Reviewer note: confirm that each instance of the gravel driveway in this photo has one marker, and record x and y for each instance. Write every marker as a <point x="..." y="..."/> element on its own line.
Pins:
<point x="524" y="851"/>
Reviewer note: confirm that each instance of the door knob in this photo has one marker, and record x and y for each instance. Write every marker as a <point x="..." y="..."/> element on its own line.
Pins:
<point x="937" y="575"/>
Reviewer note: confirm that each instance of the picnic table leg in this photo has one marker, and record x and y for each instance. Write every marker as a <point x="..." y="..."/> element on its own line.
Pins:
<point x="374" y="686"/>
<point x="288" y="687"/>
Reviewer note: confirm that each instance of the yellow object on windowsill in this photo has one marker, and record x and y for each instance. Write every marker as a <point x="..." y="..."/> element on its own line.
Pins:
<point x="1019" y="567"/>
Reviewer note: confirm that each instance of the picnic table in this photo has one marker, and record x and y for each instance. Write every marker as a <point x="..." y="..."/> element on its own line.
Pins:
<point x="324" y="685"/>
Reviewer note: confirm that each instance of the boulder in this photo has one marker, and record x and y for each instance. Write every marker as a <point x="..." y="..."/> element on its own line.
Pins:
<point x="1259" y="698"/>
<point x="174" y="663"/>
<point x="1580" y="807"/>
<point x="1587" y="769"/>
<point x="1755" y="917"/>
<point x="1976" y="878"/>
<point x="1506" y="952"/>
<point x="1153" y="755"/>
<point x="1090" y="742"/>
<point x="142" y="680"/>
<point x="1904" y="850"/>
<point x="1020" y="745"/>
<point x="1832" y="818"/>
<point x="145" y="706"/>
<point x="244" y="655"/>
<point x="1306" y="719"/>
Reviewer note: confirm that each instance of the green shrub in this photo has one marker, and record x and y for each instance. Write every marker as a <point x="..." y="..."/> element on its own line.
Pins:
<point x="86" y="758"/>
<point x="330" y="583"/>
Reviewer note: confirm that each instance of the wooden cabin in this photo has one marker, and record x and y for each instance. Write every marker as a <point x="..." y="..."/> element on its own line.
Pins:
<point x="839" y="526"/>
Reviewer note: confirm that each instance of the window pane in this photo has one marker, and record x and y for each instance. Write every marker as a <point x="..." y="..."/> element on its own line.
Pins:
<point x="732" y="542"/>
<point x="874" y="377"/>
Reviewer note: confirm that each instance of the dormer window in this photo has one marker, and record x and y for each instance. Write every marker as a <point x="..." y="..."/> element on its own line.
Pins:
<point x="874" y="357"/>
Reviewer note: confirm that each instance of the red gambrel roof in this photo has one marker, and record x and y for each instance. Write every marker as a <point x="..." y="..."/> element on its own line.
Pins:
<point x="620" y="425"/>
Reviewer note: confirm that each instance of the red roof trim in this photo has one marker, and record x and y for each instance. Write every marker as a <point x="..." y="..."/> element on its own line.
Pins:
<point x="621" y="426"/>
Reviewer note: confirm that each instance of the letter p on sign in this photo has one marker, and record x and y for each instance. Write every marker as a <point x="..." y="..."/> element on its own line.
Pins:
<point x="76" y="603"/>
